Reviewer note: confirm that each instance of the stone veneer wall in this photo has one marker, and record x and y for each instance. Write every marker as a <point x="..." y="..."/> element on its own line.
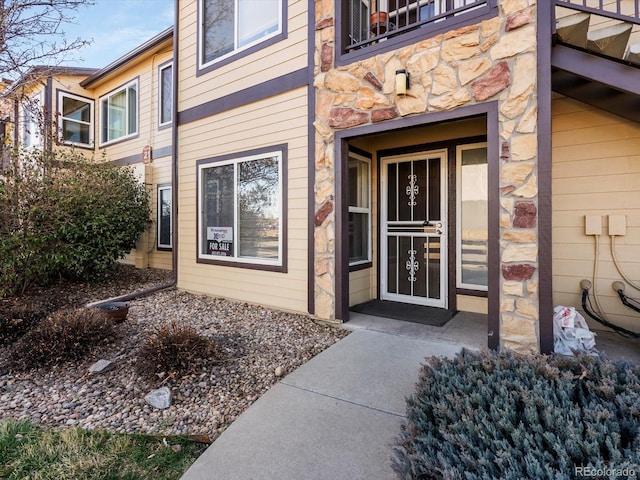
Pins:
<point x="493" y="60"/>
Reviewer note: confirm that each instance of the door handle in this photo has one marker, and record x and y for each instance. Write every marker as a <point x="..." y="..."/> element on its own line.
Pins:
<point x="439" y="229"/>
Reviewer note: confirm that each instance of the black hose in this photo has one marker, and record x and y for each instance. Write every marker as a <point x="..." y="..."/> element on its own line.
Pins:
<point x="626" y="301"/>
<point x="616" y="328"/>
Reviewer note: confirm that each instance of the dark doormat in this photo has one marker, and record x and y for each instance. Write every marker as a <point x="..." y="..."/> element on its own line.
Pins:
<point x="405" y="311"/>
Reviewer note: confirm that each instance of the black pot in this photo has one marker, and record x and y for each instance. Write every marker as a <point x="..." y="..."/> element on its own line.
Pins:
<point x="117" y="311"/>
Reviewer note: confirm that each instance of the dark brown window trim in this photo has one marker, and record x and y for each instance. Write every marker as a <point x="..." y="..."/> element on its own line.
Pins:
<point x="409" y="38"/>
<point x="256" y="93"/>
<point x="360" y="266"/>
<point x="283" y="148"/>
<point x="472" y="293"/>
<point x="243" y="53"/>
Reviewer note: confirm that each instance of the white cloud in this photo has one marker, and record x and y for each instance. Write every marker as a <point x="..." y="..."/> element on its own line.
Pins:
<point x="117" y="27"/>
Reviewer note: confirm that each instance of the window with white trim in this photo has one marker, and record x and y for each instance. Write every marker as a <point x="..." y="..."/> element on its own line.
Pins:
<point x="76" y="119"/>
<point x="240" y="205"/>
<point x="473" y="214"/>
<point x="119" y="113"/>
<point x="359" y="209"/>
<point x="165" y="97"/>
<point x="229" y="26"/>
<point x="164" y="217"/>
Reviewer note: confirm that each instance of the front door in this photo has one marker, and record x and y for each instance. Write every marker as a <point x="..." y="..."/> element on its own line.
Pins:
<point x="413" y="228"/>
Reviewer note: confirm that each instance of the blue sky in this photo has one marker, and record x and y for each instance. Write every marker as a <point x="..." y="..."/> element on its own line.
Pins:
<point x="116" y="27"/>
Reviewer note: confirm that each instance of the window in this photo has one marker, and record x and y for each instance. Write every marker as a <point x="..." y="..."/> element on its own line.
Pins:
<point x="359" y="209"/>
<point x="228" y="26"/>
<point x="165" y="97"/>
<point x="76" y="117"/>
<point x="359" y="25"/>
<point x="164" y="216"/>
<point x="241" y="209"/>
<point x="119" y="113"/>
<point x="31" y="136"/>
<point x="473" y="212"/>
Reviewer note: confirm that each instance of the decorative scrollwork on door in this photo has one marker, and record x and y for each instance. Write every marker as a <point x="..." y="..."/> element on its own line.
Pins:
<point x="412" y="265"/>
<point x="412" y="190"/>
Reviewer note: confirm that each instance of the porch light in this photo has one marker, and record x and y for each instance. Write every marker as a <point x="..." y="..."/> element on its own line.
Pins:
<point x="402" y="82"/>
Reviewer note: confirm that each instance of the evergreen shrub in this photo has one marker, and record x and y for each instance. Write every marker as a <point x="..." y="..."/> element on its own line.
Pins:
<point x="65" y="216"/>
<point x="487" y="415"/>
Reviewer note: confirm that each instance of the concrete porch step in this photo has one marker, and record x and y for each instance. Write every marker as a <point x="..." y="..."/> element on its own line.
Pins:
<point x="573" y="29"/>
<point x="633" y="53"/>
<point x="610" y="41"/>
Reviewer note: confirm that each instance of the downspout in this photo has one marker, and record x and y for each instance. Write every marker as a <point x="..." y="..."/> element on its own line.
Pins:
<point x="545" y="26"/>
<point x="16" y="123"/>
<point x="48" y="115"/>
<point x="174" y="148"/>
<point x="174" y="186"/>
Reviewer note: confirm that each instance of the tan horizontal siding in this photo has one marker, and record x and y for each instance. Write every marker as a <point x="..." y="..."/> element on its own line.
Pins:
<point x="285" y="56"/>
<point x="360" y="287"/>
<point x="278" y="120"/>
<point x="596" y="171"/>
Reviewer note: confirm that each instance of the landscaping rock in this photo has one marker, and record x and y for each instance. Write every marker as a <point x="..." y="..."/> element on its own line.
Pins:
<point x="251" y="341"/>
<point x="102" y="366"/>
<point x="279" y="371"/>
<point x="160" y="398"/>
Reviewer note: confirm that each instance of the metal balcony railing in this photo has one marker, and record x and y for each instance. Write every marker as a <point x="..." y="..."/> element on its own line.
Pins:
<point x="374" y="21"/>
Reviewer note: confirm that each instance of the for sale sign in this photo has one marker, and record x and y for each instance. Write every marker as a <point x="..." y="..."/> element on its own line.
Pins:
<point x="220" y="241"/>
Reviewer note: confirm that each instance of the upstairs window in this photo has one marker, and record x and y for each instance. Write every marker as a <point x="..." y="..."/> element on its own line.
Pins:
<point x="76" y="120"/>
<point x="119" y="114"/>
<point x="165" y="98"/>
<point x="229" y="26"/>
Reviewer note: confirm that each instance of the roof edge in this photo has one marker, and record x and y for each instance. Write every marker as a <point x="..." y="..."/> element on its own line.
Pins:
<point x="132" y="55"/>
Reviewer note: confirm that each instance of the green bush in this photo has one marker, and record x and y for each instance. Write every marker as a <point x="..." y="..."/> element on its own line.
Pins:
<point x="67" y="334"/>
<point x="174" y="348"/>
<point x="65" y="216"/>
<point x="484" y="415"/>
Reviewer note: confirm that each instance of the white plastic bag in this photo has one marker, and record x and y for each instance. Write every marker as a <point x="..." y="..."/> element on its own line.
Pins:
<point x="571" y="332"/>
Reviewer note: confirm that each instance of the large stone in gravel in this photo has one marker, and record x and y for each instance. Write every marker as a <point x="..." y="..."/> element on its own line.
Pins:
<point x="160" y="398"/>
<point x="102" y="366"/>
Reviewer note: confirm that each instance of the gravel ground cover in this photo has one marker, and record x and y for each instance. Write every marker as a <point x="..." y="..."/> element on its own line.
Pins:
<point x="256" y="346"/>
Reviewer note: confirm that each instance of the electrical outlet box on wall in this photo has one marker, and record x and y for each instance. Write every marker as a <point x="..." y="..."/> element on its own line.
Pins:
<point x="617" y="225"/>
<point x="593" y="225"/>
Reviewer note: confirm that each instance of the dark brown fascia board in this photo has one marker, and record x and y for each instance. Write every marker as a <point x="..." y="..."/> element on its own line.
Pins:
<point x="592" y="67"/>
<point x="134" y="54"/>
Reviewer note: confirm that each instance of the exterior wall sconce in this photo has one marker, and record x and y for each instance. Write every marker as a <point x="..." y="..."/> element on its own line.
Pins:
<point x="402" y="82"/>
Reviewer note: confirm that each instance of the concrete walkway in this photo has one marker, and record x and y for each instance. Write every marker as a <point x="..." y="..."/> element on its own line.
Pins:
<point x="336" y="417"/>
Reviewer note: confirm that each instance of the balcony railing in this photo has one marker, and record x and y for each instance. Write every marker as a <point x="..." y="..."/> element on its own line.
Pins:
<point x="374" y="21"/>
